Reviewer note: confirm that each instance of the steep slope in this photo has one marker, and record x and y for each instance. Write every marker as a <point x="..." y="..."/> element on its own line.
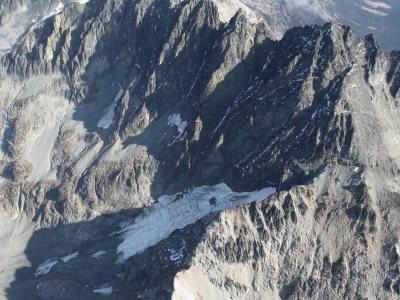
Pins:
<point x="109" y="106"/>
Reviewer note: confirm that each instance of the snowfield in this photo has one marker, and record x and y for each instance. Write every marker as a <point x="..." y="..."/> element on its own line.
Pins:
<point x="177" y="211"/>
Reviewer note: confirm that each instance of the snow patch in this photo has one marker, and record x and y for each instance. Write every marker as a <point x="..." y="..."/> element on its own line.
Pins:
<point x="98" y="254"/>
<point x="133" y="82"/>
<point x="177" y="211"/>
<point x="45" y="267"/>
<point x="107" y="290"/>
<point x="175" y="120"/>
<point x="108" y="117"/>
<point x="70" y="257"/>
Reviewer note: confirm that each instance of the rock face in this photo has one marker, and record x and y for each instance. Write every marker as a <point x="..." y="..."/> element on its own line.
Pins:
<point x="282" y="156"/>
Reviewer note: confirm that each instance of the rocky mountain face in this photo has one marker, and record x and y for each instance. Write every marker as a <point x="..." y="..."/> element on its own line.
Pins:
<point x="151" y="151"/>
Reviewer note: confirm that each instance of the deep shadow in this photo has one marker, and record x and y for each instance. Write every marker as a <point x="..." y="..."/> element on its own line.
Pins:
<point x="148" y="275"/>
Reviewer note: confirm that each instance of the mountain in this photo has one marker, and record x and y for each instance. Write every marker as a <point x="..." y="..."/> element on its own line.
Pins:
<point x="364" y="16"/>
<point x="150" y="150"/>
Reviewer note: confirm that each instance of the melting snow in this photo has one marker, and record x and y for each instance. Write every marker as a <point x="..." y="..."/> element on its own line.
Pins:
<point x="104" y="290"/>
<point x="177" y="211"/>
<point x="108" y="117"/>
<point x="268" y="61"/>
<point x="98" y="254"/>
<point x="45" y="268"/>
<point x="69" y="257"/>
<point x="133" y="82"/>
<point x="175" y="120"/>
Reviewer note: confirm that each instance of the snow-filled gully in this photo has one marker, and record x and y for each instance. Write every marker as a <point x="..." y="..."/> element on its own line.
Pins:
<point x="170" y="213"/>
<point x="177" y="211"/>
<point x="106" y="121"/>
